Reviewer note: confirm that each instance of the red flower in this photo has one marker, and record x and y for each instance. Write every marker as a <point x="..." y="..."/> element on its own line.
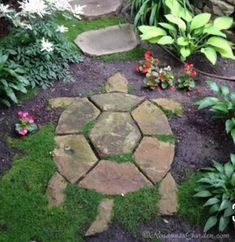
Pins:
<point x="192" y="73"/>
<point x="148" y="54"/>
<point x="188" y="68"/>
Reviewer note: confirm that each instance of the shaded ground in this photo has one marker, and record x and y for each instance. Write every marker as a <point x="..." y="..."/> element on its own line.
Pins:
<point x="201" y="139"/>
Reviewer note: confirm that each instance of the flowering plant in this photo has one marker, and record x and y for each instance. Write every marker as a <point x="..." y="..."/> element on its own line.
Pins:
<point x="156" y="76"/>
<point x="26" y="123"/>
<point x="187" y="77"/>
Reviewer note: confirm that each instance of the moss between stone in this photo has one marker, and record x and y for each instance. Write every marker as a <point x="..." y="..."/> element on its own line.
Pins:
<point x="85" y="129"/>
<point x="167" y="138"/>
<point x="121" y="158"/>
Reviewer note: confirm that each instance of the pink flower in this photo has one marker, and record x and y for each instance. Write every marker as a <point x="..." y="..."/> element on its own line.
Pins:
<point x="30" y="119"/>
<point x="23" y="131"/>
<point x="23" y="114"/>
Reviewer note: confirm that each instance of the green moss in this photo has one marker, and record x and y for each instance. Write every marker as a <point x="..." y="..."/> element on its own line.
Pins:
<point x="121" y="158"/>
<point x="135" y="208"/>
<point x="85" y="129"/>
<point x="189" y="206"/>
<point x="167" y="138"/>
<point x="24" y="97"/>
<point x="24" y="214"/>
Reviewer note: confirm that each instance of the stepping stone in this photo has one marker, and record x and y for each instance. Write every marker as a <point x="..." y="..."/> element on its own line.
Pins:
<point x="116" y="101"/>
<point x="55" y="190"/>
<point x="102" y="219"/>
<point x="151" y="119"/>
<point x="114" y="133"/>
<point x="73" y="156"/>
<point x="98" y="8"/>
<point x="169" y="105"/>
<point x="154" y="158"/>
<point x="75" y="116"/>
<point x="112" y="178"/>
<point x="110" y="40"/>
<point x="168" y="191"/>
<point x="63" y="102"/>
<point x="117" y="83"/>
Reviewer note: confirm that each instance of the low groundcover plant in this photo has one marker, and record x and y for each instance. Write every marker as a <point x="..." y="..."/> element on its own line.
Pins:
<point x="26" y="123"/>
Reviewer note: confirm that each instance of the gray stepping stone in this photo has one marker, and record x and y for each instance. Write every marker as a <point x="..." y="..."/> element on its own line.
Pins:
<point x="110" y="40"/>
<point x="117" y="83"/>
<point x="98" y="8"/>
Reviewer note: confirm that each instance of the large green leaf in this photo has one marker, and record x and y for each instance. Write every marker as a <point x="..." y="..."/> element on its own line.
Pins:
<point x="228" y="168"/>
<point x="200" y="20"/>
<point x="223" y="22"/>
<point x="203" y="194"/>
<point x="232" y="158"/>
<point x="210" y="54"/>
<point x="233" y="135"/>
<point x="182" y="41"/>
<point x="213" y="86"/>
<point x="229" y="125"/>
<point x="168" y="27"/>
<point x="212" y="30"/>
<point x="223" y="223"/>
<point x="165" y="40"/>
<point x="211" y="222"/>
<point x="185" y="52"/>
<point x="211" y="201"/>
<point x="207" y="102"/>
<point x="150" y="32"/>
<point x="176" y="20"/>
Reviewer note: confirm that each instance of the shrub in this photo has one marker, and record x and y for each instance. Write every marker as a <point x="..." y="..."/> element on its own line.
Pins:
<point x="187" y="35"/>
<point x="223" y="106"/>
<point x="217" y="188"/>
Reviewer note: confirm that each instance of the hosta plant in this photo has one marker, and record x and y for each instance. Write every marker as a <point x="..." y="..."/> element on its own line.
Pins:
<point x="222" y="106"/>
<point x="217" y="189"/>
<point x="12" y="80"/>
<point x="186" y="79"/>
<point x="187" y="35"/>
<point x="26" y="124"/>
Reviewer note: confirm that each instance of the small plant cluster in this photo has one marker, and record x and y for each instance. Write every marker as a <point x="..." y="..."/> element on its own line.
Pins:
<point x="26" y="124"/>
<point x="160" y="77"/>
<point x="36" y="44"/>
<point x="217" y="189"/>
<point x="222" y="106"/>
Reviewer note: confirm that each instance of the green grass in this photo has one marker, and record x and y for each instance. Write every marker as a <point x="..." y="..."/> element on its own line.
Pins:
<point x="167" y="138"/>
<point x="189" y="206"/>
<point x="136" y="208"/>
<point x="121" y="158"/>
<point x="77" y="27"/>
<point x="85" y="129"/>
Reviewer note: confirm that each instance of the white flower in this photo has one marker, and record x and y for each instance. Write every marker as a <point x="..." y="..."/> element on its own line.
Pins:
<point x="62" y="29"/>
<point x="5" y="9"/>
<point x="46" y="45"/>
<point x="60" y="5"/>
<point x="33" y="7"/>
<point x="78" y="10"/>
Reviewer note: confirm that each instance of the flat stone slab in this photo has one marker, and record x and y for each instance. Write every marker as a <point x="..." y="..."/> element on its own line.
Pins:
<point x="102" y="219"/>
<point x="117" y="83"/>
<point x="112" y="178"/>
<point x="114" y="134"/>
<point x="154" y="158"/>
<point x="110" y="40"/>
<point x="151" y="119"/>
<point x="168" y="190"/>
<point x="63" y="102"/>
<point x="75" y="116"/>
<point x="73" y="156"/>
<point x="116" y="101"/>
<point x="169" y="105"/>
<point x="55" y="190"/>
<point x="98" y="8"/>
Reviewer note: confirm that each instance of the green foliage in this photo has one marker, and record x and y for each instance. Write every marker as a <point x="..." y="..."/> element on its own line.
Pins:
<point x="223" y="106"/>
<point x="24" y="213"/>
<point x="138" y="207"/>
<point x="172" y="139"/>
<point x="121" y="158"/>
<point x="217" y="189"/>
<point x="189" y="207"/>
<point x="151" y="11"/>
<point x="12" y="80"/>
<point x="188" y="35"/>
<point x="85" y="129"/>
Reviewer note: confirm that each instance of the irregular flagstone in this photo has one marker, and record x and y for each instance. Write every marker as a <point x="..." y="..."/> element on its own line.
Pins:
<point x="75" y="116"/>
<point x="110" y="40"/>
<point x="114" y="133"/>
<point x="102" y="219"/>
<point x="154" y="158"/>
<point x="168" y="191"/>
<point x="117" y="83"/>
<point x="116" y="101"/>
<point x="98" y="8"/>
<point x="113" y="178"/>
<point x="169" y="105"/>
<point x="73" y="156"/>
<point x="63" y="102"/>
<point x="55" y="190"/>
<point x="151" y="119"/>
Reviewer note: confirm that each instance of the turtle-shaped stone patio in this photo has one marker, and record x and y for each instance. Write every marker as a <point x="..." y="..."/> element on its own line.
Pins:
<point x="121" y="124"/>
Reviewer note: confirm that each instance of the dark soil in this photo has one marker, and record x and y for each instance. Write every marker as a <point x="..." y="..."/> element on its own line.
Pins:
<point x="201" y="139"/>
